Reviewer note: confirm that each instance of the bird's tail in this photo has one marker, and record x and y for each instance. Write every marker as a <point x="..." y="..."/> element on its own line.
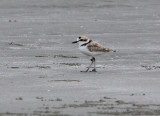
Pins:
<point x="110" y="50"/>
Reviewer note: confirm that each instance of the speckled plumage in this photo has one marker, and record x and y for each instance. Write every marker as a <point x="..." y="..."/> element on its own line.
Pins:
<point x="91" y="48"/>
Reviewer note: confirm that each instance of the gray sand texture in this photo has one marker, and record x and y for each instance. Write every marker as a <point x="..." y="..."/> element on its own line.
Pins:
<point x="40" y="67"/>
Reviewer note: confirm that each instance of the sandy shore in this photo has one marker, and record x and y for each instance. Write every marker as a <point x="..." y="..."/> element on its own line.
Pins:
<point x="40" y="67"/>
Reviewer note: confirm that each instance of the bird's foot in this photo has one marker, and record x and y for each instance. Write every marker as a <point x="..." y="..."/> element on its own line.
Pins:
<point x="94" y="70"/>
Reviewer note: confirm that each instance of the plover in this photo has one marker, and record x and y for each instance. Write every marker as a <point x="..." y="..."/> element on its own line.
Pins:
<point x="91" y="48"/>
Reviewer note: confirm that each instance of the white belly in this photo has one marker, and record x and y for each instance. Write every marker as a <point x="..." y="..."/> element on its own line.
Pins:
<point x="85" y="51"/>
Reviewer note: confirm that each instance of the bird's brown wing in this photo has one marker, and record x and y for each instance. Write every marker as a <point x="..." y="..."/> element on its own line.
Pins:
<point x="96" y="47"/>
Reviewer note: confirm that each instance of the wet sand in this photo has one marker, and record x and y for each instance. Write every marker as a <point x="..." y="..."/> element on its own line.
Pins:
<point x="40" y="67"/>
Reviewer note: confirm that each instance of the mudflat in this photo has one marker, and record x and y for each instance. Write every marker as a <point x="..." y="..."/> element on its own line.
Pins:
<point x="40" y="67"/>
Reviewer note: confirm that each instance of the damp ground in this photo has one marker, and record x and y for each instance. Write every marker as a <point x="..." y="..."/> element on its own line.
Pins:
<point x="40" y="68"/>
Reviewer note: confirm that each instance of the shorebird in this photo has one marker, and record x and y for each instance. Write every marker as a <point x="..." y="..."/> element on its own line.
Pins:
<point x="91" y="48"/>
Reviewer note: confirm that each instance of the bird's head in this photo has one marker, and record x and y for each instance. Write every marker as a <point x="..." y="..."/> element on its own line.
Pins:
<point x="81" y="40"/>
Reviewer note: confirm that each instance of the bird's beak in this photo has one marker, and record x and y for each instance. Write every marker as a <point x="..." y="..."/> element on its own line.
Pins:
<point x="75" y="42"/>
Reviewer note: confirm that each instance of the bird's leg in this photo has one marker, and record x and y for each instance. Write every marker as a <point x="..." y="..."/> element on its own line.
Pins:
<point x="94" y="61"/>
<point x="90" y="64"/>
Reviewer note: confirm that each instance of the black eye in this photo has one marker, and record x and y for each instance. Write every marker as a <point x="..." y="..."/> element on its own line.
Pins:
<point x="79" y="37"/>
